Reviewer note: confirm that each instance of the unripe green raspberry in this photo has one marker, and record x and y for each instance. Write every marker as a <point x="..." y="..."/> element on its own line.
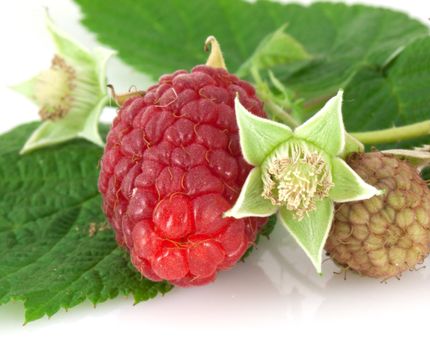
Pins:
<point x="383" y="236"/>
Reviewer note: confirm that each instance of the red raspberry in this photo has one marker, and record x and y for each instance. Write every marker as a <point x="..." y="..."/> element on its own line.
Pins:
<point x="172" y="166"/>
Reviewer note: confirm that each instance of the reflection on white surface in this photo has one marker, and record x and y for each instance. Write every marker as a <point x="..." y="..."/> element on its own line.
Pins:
<point x="275" y="294"/>
<point x="278" y="284"/>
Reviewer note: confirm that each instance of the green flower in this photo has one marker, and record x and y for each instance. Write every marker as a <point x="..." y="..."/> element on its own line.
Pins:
<point x="70" y="94"/>
<point x="299" y="173"/>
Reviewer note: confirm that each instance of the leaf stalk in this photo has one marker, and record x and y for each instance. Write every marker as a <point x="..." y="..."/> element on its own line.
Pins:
<point x="394" y="134"/>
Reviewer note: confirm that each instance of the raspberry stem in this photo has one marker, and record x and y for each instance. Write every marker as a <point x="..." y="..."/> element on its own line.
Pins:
<point x="119" y="99"/>
<point x="266" y="96"/>
<point x="395" y="134"/>
<point x="279" y="112"/>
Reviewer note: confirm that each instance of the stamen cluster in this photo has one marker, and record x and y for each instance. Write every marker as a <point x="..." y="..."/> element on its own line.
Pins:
<point x="297" y="177"/>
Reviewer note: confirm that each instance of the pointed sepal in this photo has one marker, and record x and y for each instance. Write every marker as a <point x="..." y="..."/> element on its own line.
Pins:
<point x="258" y="136"/>
<point x="66" y="46"/>
<point x="326" y="129"/>
<point x="312" y="231"/>
<point x="348" y="185"/>
<point x="250" y="201"/>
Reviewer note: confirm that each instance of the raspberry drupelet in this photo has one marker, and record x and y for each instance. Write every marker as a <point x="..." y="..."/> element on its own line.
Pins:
<point x="171" y="167"/>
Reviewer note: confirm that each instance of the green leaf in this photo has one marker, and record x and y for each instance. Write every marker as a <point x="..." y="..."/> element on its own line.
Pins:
<point x="277" y="48"/>
<point x="56" y="250"/>
<point x="258" y="136"/>
<point x="325" y="129"/>
<point x="250" y="201"/>
<point x="348" y="185"/>
<point x="397" y="94"/>
<point x="349" y="37"/>
<point x="340" y="38"/>
<point x="312" y="231"/>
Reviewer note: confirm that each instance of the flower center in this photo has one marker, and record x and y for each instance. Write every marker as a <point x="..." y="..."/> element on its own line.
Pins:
<point x="54" y="89"/>
<point x="296" y="176"/>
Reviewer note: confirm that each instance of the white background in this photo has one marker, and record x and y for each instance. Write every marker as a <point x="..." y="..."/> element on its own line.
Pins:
<point x="274" y="300"/>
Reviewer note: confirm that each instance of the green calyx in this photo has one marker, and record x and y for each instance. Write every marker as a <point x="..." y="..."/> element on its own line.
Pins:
<point x="70" y="94"/>
<point x="299" y="173"/>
